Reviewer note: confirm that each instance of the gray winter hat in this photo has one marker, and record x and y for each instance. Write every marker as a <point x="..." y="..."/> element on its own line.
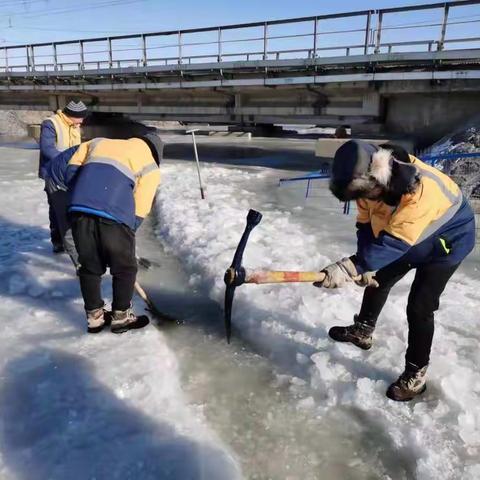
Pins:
<point x="350" y="170"/>
<point x="155" y="144"/>
<point x="75" y="109"/>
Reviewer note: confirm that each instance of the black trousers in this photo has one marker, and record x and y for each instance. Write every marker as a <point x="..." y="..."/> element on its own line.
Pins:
<point x="423" y="300"/>
<point x="103" y="243"/>
<point x="61" y="233"/>
<point x="55" y="235"/>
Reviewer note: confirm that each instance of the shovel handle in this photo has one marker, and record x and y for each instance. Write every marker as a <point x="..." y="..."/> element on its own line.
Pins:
<point x="268" y="276"/>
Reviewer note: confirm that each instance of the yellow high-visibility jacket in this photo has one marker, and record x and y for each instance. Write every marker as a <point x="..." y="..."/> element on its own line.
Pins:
<point x="432" y="224"/>
<point x="115" y="179"/>
<point x="68" y="134"/>
<point x="57" y="134"/>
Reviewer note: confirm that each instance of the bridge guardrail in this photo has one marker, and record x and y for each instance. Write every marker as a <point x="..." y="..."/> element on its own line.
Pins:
<point x="362" y="32"/>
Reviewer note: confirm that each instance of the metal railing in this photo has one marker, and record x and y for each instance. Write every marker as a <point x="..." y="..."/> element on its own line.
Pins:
<point x="364" y="34"/>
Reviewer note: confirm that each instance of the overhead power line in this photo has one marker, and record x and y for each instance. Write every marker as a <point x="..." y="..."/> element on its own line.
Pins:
<point x="78" y="8"/>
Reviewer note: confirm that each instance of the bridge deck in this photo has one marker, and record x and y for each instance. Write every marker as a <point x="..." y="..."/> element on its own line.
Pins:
<point x="369" y="39"/>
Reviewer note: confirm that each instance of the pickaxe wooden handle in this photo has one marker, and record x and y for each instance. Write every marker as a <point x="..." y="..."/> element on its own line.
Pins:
<point x="242" y="275"/>
<point x="269" y="276"/>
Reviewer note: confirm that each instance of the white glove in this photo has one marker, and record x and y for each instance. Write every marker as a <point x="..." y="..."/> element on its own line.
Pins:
<point x="338" y="274"/>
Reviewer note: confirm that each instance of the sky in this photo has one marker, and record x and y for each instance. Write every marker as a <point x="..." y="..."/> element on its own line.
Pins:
<point x="41" y="21"/>
<point x="33" y="21"/>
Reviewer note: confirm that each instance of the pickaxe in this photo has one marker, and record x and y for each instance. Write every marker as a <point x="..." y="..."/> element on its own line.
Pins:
<point x="237" y="275"/>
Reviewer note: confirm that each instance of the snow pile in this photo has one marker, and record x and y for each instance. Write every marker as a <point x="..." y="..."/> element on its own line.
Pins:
<point x="436" y="437"/>
<point x="465" y="171"/>
<point x="74" y="405"/>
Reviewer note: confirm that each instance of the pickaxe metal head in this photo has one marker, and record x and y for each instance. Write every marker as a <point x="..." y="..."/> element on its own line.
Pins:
<point x="235" y="275"/>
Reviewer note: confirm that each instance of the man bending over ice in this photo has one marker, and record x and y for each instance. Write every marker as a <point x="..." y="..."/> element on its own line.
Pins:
<point x="410" y="216"/>
<point x="112" y="185"/>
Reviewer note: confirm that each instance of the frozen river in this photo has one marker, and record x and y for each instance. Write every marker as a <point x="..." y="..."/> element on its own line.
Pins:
<point x="280" y="402"/>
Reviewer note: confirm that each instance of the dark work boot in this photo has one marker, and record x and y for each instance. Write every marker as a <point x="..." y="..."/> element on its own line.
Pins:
<point x="410" y="383"/>
<point x="360" y="334"/>
<point x="124" y="320"/>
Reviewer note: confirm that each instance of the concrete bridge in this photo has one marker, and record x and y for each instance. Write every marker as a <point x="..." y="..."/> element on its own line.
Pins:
<point x="413" y="70"/>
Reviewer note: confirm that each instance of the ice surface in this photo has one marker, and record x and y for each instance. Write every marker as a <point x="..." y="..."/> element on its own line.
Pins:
<point x="435" y="437"/>
<point x="78" y="406"/>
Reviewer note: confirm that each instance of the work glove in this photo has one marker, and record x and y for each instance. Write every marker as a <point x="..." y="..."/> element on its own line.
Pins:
<point x="338" y="274"/>
<point x="366" y="279"/>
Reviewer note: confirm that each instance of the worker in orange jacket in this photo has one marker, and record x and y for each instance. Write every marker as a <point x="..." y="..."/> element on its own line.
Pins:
<point x="410" y="216"/>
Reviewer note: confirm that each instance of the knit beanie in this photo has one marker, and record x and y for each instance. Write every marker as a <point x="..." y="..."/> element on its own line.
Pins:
<point x="75" y="109"/>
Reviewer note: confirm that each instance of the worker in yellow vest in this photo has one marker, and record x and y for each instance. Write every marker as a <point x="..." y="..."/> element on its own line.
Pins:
<point x="112" y="185"/>
<point x="411" y="216"/>
<point x="58" y="133"/>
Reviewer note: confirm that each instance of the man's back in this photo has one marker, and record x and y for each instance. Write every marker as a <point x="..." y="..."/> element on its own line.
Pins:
<point x="116" y="177"/>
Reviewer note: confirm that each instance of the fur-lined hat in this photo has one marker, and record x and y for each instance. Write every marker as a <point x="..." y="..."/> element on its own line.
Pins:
<point x="359" y="168"/>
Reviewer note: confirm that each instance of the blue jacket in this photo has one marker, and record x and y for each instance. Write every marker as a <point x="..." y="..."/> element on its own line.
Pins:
<point x="116" y="179"/>
<point x="432" y="224"/>
<point x="48" y="146"/>
<point x="56" y="169"/>
<point x="450" y="244"/>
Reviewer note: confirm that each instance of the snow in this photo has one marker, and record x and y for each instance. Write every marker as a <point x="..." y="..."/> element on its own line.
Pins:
<point x="465" y="171"/>
<point x="433" y="437"/>
<point x="74" y="405"/>
<point x="82" y="406"/>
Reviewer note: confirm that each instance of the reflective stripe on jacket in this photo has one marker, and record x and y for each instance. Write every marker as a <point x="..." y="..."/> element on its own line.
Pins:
<point x="435" y="223"/>
<point x="116" y="177"/>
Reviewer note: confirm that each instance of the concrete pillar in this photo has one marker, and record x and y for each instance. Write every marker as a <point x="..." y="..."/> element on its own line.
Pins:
<point x="372" y="104"/>
<point x="238" y="101"/>
<point x="61" y="101"/>
<point x="53" y="102"/>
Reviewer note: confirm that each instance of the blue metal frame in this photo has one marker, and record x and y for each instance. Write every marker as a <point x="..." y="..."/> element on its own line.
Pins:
<point x="323" y="174"/>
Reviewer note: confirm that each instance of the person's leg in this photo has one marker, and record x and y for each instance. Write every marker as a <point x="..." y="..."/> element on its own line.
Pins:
<point x="69" y="244"/>
<point x="374" y="298"/>
<point x="360" y="333"/>
<point x="59" y="202"/>
<point x="92" y="264"/>
<point x="55" y="236"/>
<point x="423" y="301"/>
<point x="119" y="243"/>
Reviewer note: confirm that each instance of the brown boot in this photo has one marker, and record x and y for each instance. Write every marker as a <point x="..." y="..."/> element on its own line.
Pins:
<point x="124" y="320"/>
<point x="95" y="320"/>
<point x="410" y="383"/>
<point x="360" y="334"/>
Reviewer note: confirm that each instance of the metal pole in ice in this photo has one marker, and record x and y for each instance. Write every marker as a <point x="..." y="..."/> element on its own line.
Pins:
<point x="196" y="159"/>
